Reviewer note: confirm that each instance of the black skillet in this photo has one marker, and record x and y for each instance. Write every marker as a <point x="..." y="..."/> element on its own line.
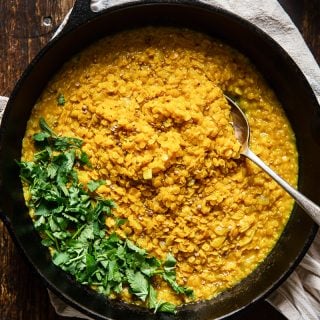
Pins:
<point x="283" y="76"/>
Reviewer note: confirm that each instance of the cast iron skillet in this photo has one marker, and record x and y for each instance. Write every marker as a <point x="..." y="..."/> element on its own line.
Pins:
<point x="280" y="71"/>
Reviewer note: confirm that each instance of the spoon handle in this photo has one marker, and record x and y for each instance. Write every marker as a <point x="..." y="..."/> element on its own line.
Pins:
<point x="306" y="204"/>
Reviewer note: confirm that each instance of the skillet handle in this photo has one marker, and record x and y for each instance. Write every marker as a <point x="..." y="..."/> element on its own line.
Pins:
<point x="6" y="221"/>
<point x="80" y="13"/>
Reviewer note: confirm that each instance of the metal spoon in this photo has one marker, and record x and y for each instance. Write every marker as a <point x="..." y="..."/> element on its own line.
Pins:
<point x="242" y="133"/>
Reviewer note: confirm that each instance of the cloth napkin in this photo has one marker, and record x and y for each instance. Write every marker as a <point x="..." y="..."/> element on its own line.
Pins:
<point x="298" y="298"/>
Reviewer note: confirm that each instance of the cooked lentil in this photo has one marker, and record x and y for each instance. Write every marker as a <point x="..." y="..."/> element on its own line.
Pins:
<point x="149" y="106"/>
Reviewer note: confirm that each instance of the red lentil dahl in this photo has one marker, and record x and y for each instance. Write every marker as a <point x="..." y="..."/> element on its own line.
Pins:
<point x="149" y="106"/>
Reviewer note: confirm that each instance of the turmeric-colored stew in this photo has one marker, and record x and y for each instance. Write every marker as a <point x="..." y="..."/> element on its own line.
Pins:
<point x="144" y="195"/>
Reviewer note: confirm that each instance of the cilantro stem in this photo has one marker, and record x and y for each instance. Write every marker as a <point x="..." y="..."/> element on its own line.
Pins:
<point x="78" y="232"/>
<point x="76" y="258"/>
<point x="47" y="232"/>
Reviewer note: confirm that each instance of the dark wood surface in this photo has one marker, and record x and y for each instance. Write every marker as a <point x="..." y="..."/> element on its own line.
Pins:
<point x="25" y="27"/>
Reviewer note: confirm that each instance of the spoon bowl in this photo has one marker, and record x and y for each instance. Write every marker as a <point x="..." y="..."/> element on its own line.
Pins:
<point x="242" y="132"/>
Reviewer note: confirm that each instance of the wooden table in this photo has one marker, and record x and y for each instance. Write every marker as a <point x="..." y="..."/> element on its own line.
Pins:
<point x="25" y="27"/>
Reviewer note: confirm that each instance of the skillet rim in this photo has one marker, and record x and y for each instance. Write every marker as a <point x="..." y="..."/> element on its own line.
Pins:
<point x="127" y="6"/>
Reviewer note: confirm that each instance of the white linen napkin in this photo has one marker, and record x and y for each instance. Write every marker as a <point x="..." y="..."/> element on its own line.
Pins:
<point x="298" y="298"/>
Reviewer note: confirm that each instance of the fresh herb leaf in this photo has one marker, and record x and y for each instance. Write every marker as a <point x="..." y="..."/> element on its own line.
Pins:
<point x="169" y="275"/>
<point x="41" y="136"/>
<point x="94" y="185"/>
<point x="48" y="138"/>
<point x="90" y="264"/>
<point x="120" y="221"/>
<point x="45" y="128"/>
<point x="134" y="248"/>
<point x="64" y="143"/>
<point x="138" y="284"/>
<point x="153" y="302"/>
<point x="84" y="159"/>
<point x="86" y="234"/>
<point x="167" y="307"/>
<point x="60" y="258"/>
<point x="170" y="262"/>
<point x="61" y="100"/>
<point x="47" y="242"/>
<point x="157" y="305"/>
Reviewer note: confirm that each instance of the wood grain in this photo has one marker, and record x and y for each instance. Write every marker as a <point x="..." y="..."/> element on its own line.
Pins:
<point x="24" y="29"/>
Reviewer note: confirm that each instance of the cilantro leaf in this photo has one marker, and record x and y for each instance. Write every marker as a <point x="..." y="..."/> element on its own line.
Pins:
<point x="84" y="158"/>
<point x="134" y="248"/>
<point x="90" y="264"/>
<point x="64" y="143"/>
<point x="94" y="185"/>
<point x="60" y="258"/>
<point x="61" y="100"/>
<point x="170" y="262"/>
<point x="138" y="284"/>
<point x="41" y="136"/>
<point x="45" y="128"/>
<point x="120" y="221"/>
<point x="86" y="234"/>
<point x="157" y="305"/>
<point x="167" y="307"/>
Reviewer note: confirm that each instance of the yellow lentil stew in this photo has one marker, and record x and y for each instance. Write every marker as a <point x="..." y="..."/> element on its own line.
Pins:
<point x="149" y="106"/>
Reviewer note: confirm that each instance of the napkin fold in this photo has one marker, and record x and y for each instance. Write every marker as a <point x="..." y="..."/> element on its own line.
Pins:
<point x="3" y="103"/>
<point x="298" y="298"/>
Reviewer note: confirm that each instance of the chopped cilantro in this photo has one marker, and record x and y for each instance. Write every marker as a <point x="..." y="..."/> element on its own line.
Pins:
<point x="94" y="185"/>
<point x="71" y="220"/>
<point x="61" y="100"/>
